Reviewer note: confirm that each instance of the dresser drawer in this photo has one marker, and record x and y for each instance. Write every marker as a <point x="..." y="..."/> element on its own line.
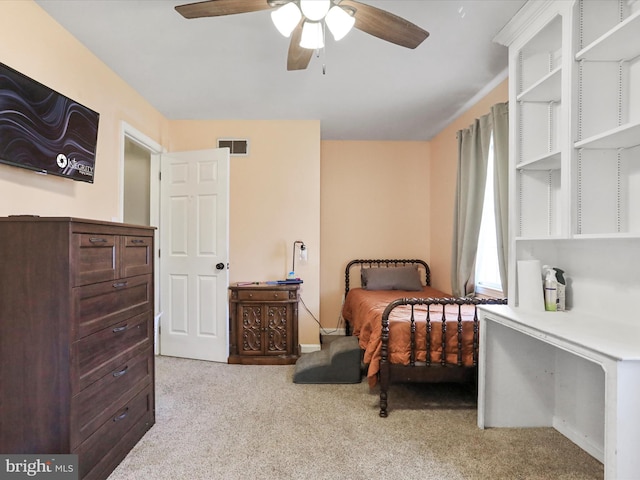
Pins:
<point x="98" y="353"/>
<point x="95" y="403"/>
<point x="102" y="304"/>
<point x="263" y="295"/>
<point x="136" y="256"/>
<point x="95" y="258"/>
<point x="113" y="436"/>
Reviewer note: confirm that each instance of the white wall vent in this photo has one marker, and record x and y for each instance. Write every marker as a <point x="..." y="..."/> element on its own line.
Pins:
<point x="237" y="146"/>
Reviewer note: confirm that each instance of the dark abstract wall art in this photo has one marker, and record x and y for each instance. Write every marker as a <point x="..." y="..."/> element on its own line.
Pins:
<point x="45" y="131"/>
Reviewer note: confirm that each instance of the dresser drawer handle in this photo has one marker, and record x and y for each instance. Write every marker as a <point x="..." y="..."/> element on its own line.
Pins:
<point x="122" y="415"/>
<point x="97" y="240"/>
<point x="137" y="240"/>
<point x="119" y="284"/>
<point x="121" y="372"/>
<point x="275" y="295"/>
<point x="119" y="329"/>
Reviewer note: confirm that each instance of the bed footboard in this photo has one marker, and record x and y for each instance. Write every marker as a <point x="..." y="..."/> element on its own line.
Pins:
<point x="444" y="369"/>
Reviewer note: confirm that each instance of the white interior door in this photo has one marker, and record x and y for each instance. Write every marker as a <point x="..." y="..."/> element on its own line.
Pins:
<point x="194" y="246"/>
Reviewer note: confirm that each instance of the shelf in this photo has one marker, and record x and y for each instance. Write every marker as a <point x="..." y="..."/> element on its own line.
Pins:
<point x="547" y="89"/>
<point x="619" y="43"/>
<point x="549" y="161"/>
<point x="536" y="238"/>
<point x="624" y="136"/>
<point x="607" y="236"/>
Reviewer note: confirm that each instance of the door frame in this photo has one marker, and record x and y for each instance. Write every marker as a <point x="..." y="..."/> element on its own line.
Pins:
<point x="155" y="150"/>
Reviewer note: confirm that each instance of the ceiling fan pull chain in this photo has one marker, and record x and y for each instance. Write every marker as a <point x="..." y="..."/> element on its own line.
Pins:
<point x="324" y="49"/>
<point x="324" y="63"/>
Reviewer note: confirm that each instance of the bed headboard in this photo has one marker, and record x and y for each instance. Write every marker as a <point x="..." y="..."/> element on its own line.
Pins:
<point x="384" y="264"/>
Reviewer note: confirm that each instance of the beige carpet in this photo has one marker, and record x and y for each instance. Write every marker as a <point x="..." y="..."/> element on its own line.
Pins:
<point x="218" y="421"/>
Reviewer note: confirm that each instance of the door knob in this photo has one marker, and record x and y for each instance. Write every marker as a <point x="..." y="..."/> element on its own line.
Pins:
<point x="220" y="266"/>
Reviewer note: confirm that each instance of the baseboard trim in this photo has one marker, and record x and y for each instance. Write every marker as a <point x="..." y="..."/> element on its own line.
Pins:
<point x="309" y="347"/>
<point x="333" y="331"/>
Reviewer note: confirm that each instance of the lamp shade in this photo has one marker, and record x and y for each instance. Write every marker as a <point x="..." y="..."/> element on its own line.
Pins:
<point x="286" y="18"/>
<point x="312" y="35"/>
<point x="315" y="10"/>
<point x="339" y="22"/>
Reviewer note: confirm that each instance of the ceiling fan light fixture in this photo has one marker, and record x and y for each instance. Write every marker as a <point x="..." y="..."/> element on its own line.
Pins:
<point x="339" y="21"/>
<point x="315" y="10"/>
<point x="286" y="18"/>
<point x="312" y="35"/>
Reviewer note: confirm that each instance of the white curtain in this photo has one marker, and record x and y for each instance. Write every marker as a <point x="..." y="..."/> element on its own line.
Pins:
<point x="473" y="155"/>
<point x="500" y="115"/>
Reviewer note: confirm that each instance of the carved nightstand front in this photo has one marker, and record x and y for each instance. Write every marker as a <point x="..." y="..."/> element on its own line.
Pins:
<point x="263" y="324"/>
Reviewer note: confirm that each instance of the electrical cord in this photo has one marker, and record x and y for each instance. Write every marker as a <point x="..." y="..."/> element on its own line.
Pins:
<point x="322" y="329"/>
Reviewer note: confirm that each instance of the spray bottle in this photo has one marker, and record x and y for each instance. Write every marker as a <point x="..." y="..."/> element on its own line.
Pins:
<point x="550" y="289"/>
<point x="562" y="285"/>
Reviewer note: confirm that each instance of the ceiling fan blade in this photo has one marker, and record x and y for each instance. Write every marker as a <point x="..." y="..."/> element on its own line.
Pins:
<point x="298" y="58"/>
<point x="218" y="8"/>
<point x="385" y="25"/>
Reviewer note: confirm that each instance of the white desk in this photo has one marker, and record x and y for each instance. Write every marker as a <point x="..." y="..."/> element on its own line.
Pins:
<point x="576" y="373"/>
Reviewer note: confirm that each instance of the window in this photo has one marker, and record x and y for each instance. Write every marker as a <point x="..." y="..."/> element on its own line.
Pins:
<point x="487" y="275"/>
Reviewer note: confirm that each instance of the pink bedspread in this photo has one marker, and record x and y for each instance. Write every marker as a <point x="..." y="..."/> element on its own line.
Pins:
<point x="363" y="309"/>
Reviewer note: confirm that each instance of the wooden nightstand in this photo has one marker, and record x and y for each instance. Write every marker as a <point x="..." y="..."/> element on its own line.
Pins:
<point x="263" y="324"/>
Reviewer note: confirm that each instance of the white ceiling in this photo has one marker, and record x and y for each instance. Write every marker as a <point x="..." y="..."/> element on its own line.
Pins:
<point x="234" y="67"/>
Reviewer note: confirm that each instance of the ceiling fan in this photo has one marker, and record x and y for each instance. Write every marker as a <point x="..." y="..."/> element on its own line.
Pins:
<point x="304" y="21"/>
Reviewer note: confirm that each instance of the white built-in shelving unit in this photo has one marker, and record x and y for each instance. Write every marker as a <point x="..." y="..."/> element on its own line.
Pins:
<point x="574" y="70"/>
<point x="607" y="193"/>
<point x="539" y="110"/>
<point x="574" y="203"/>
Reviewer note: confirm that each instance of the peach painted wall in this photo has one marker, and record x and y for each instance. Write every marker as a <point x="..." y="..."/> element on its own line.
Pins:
<point x="444" y="158"/>
<point x="362" y="187"/>
<point x="290" y="184"/>
<point x="375" y="203"/>
<point x="32" y="43"/>
<point x="274" y="200"/>
<point x="275" y="196"/>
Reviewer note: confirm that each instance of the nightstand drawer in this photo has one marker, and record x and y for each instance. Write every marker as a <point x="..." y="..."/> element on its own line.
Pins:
<point x="263" y="295"/>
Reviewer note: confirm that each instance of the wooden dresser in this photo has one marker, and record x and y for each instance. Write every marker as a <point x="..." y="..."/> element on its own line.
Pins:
<point x="263" y="324"/>
<point x="76" y="339"/>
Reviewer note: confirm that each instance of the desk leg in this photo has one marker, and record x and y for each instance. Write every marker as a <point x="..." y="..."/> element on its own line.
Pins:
<point x="622" y="421"/>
